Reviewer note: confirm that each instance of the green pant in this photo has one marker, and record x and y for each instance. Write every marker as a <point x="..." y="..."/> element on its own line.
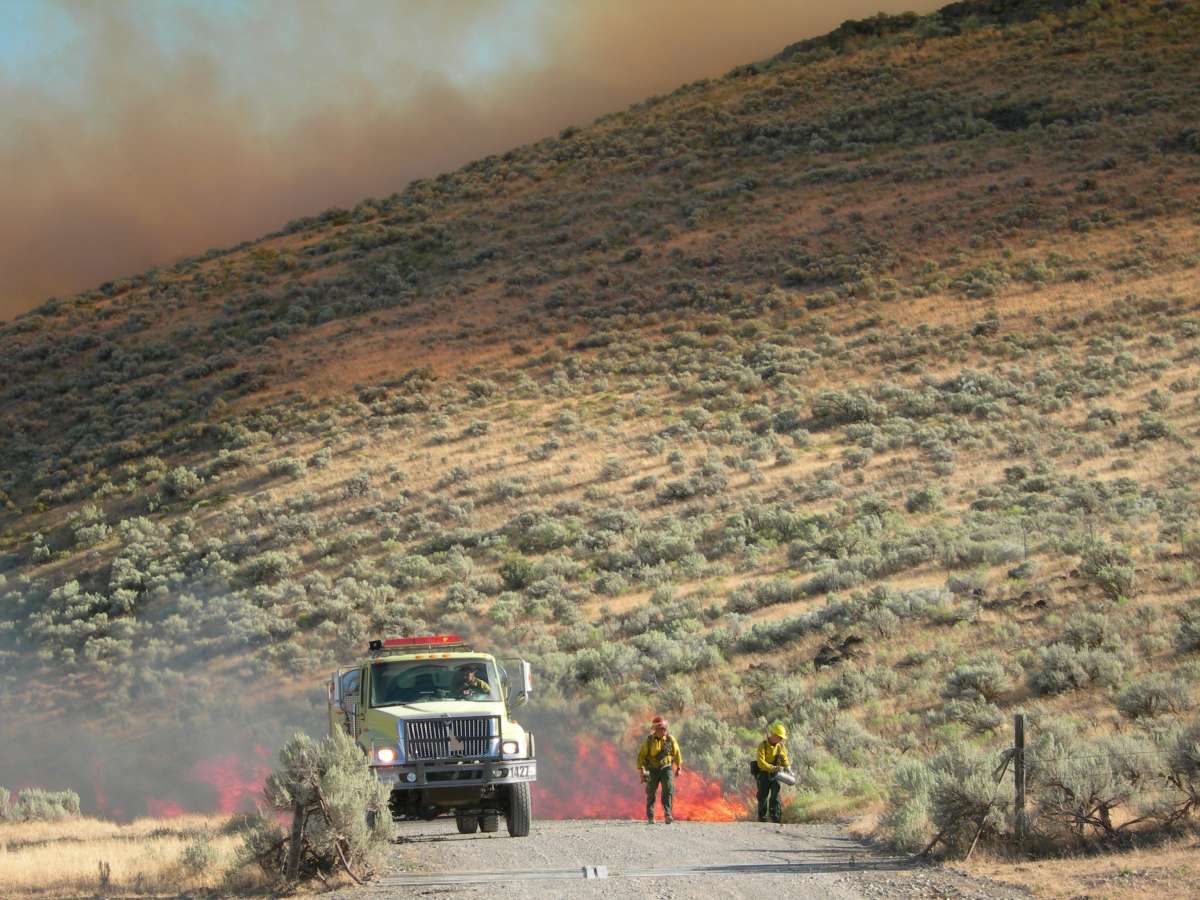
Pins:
<point x="768" y="798"/>
<point x="654" y="779"/>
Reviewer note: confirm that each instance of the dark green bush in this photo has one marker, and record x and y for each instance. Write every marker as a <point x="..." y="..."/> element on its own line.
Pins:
<point x="1152" y="696"/>
<point x="1062" y="668"/>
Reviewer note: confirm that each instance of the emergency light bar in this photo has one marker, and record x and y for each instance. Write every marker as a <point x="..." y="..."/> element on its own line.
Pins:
<point x="435" y="640"/>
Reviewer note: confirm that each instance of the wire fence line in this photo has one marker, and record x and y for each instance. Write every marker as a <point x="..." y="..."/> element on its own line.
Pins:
<point x="1104" y="801"/>
<point x="1117" y="754"/>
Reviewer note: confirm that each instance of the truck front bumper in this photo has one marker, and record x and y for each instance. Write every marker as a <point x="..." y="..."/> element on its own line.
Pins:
<point x="456" y="773"/>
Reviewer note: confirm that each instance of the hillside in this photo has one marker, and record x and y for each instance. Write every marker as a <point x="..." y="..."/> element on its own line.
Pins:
<point x="857" y="388"/>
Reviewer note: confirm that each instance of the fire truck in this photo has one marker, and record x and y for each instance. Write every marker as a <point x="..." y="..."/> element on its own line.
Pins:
<point x="434" y="718"/>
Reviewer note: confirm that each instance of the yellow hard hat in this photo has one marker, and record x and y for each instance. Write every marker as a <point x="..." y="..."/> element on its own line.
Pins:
<point x="778" y="730"/>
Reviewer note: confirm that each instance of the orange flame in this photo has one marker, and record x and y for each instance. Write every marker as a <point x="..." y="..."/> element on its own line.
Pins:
<point x="597" y="781"/>
<point x="235" y="781"/>
<point x="163" y="809"/>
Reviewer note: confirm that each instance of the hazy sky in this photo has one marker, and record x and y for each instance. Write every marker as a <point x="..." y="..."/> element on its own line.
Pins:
<point x="135" y="132"/>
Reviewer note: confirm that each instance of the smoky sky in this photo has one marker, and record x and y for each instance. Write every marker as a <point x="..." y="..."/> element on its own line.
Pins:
<point x="134" y="132"/>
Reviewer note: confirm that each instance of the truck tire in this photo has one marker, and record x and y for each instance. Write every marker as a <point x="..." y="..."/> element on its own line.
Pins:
<point x="519" y="810"/>
<point x="490" y="823"/>
<point x="466" y="824"/>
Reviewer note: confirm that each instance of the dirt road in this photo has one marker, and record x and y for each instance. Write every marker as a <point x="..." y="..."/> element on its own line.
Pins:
<point x="631" y="859"/>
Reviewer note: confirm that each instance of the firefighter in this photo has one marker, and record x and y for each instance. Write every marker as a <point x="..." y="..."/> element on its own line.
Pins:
<point x="472" y="684"/>
<point x="772" y="758"/>
<point x="659" y="754"/>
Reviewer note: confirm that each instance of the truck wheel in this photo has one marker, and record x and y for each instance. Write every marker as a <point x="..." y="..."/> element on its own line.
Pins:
<point x="490" y="823"/>
<point x="519" y="810"/>
<point x="466" y="824"/>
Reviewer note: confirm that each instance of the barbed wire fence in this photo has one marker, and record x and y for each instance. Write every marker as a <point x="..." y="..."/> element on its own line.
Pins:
<point x="1140" y="794"/>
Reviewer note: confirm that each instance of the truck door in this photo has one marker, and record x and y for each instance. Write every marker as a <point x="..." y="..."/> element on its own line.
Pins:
<point x="516" y="680"/>
<point x="345" y="702"/>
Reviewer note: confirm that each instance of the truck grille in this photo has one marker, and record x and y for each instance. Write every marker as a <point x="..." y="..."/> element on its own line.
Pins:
<point x="466" y="736"/>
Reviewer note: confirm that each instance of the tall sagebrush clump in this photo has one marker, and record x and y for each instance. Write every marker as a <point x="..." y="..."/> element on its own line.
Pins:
<point x="37" y="805"/>
<point x="340" y="813"/>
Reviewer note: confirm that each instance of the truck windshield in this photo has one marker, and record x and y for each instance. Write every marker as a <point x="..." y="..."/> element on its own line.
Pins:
<point x="425" y="680"/>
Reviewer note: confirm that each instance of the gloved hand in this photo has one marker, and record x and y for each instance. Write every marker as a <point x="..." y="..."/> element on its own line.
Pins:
<point x="643" y="776"/>
<point x="677" y="768"/>
<point x="775" y="770"/>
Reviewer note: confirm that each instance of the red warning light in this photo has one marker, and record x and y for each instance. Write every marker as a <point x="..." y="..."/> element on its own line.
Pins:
<point x="428" y="641"/>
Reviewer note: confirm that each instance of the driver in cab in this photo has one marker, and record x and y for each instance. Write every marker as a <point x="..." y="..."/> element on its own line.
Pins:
<point x="473" y="687"/>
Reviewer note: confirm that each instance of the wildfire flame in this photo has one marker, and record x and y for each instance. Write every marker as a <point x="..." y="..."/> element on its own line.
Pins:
<point x="595" y="780"/>
<point x="584" y="779"/>
<point x="235" y="781"/>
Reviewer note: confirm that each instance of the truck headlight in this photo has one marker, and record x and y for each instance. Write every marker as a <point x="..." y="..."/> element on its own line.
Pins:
<point x="385" y="755"/>
<point x="510" y="748"/>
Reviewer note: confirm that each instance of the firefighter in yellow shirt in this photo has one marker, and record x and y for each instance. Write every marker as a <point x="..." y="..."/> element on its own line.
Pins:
<point x="772" y="758"/>
<point x="656" y="758"/>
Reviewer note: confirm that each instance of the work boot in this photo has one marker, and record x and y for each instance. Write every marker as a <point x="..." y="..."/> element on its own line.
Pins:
<point x="649" y="820"/>
<point x="669" y="820"/>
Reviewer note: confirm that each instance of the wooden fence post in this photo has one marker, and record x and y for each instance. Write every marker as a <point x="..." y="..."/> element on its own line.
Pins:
<point x="1019" y="776"/>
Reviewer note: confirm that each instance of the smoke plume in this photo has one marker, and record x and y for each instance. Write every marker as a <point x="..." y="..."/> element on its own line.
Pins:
<point x="134" y="133"/>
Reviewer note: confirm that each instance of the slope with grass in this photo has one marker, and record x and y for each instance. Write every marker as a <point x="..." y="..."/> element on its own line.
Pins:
<point x="857" y="388"/>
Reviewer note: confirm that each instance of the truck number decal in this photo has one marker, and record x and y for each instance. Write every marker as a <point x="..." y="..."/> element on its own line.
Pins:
<point x="518" y="771"/>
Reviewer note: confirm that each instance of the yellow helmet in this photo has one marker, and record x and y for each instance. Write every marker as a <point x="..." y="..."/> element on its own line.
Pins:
<point x="778" y="730"/>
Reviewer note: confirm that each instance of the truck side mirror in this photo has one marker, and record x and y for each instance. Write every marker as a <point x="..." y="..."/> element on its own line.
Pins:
<point x="519" y="693"/>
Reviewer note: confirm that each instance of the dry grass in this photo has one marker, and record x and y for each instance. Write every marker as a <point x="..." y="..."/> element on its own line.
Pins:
<point x="63" y="859"/>
<point x="1160" y="872"/>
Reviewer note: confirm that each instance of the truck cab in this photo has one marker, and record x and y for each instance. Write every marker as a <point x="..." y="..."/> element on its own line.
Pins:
<point x="434" y="718"/>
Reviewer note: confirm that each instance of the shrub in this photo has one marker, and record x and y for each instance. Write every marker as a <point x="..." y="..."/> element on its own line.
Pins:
<point x="199" y="856"/>
<point x="180" y="482"/>
<point x="613" y="469"/>
<point x="924" y="500"/>
<point x="1151" y="696"/>
<point x="1183" y="772"/>
<point x="357" y="484"/>
<point x="831" y="408"/>
<point x="785" y="697"/>
<point x="517" y="572"/>
<point x="1111" y="567"/>
<point x="1080" y="785"/>
<point x="480" y="388"/>
<point x="269" y="566"/>
<point x="1187" y="639"/>
<point x="88" y="526"/>
<point x="1152" y="427"/>
<point x="963" y="799"/>
<point x="37" y="805"/>
<point x="287" y="466"/>
<point x="1092" y="631"/>
<point x="342" y="808"/>
<point x="718" y="750"/>
<point x="849" y="688"/>
<point x="906" y="820"/>
<point x="977" y="715"/>
<point x="977" y="682"/>
<point x="462" y="598"/>
<point x="1063" y="668"/>
<point x="848" y="741"/>
<point x="676" y="696"/>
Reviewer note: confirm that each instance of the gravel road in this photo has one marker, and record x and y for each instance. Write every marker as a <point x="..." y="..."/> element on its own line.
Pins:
<point x="433" y="859"/>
